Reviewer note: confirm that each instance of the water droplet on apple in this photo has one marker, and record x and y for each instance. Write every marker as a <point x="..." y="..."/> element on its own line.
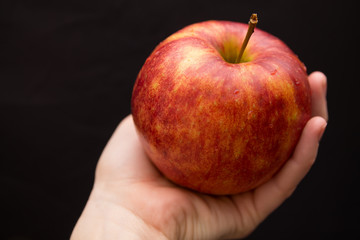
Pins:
<point x="273" y="72"/>
<point x="297" y="82"/>
<point x="236" y="91"/>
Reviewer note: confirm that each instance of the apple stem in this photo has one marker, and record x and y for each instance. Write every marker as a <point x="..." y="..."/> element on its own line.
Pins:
<point x="252" y="23"/>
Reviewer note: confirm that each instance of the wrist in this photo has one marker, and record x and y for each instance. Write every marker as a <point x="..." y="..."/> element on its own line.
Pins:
<point x="103" y="219"/>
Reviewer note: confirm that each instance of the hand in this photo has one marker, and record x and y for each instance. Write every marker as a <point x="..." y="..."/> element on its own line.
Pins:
<point x="132" y="200"/>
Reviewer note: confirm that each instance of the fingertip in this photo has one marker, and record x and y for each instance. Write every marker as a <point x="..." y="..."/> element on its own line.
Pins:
<point x="123" y="132"/>
<point x="309" y="140"/>
<point x="315" y="125"/>
<point x="319" y="79"/>
<point x="318" y="75"/>
<point x="125" y="124"/>
<point x="319" y="125"/>
<point x="128" y="119"/>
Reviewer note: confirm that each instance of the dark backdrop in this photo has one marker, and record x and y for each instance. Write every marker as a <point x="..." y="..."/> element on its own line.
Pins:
<point x="66" y="75"/>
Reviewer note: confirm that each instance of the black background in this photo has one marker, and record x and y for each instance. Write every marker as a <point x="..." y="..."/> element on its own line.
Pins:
<point x="66" y="75"/>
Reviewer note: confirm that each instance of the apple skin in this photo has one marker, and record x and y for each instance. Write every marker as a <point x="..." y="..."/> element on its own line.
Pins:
<point x="214" y="126"/>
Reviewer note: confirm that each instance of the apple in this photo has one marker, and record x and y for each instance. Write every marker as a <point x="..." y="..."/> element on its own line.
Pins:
<point x="212" y="121"/>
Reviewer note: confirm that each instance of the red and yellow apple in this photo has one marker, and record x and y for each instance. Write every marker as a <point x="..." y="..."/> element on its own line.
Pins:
<point x="215" y="125"/>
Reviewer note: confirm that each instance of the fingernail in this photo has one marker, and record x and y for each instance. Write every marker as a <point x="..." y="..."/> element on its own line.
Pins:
<point x="321" y="133"/>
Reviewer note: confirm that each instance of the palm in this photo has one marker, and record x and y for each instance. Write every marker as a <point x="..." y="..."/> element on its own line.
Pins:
<point x="197" y="213"/>
<point x="133" y="182"/>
